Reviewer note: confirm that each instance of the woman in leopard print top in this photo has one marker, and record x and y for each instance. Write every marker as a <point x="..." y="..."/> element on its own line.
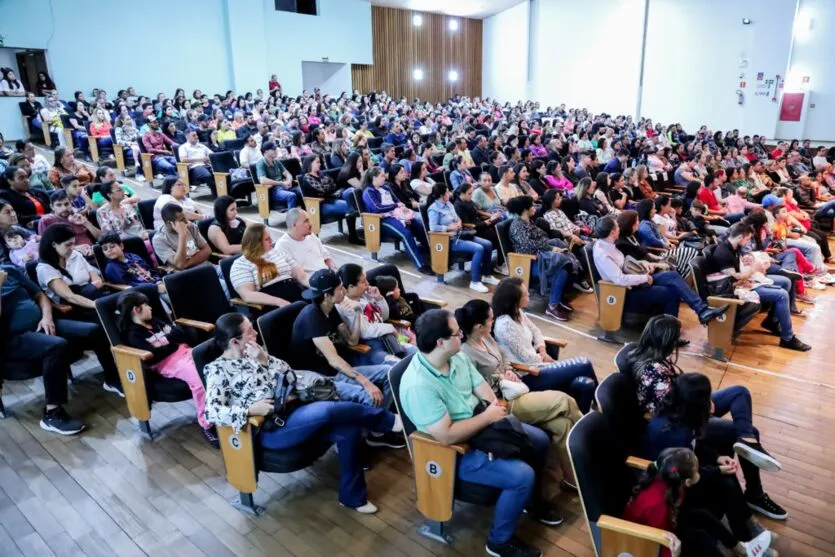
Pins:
<point x="242" y="382"/>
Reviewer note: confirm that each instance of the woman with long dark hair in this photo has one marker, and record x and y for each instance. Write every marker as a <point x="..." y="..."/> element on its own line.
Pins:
<point x="526" y="345"/>
<point x="243" y="381"/>
<point x="226" y="232"/>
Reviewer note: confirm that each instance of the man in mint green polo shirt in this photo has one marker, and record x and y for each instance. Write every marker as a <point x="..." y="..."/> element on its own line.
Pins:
<point x="439" y="392"/>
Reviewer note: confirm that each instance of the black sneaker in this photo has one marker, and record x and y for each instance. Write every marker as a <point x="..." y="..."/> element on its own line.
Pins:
<point x="58" y="421"/>
<point x="545" y="515"/>
<point x="682" y="342"/>
<point x="391" y="440"/>
<point x="566" y="306"/>
<point x="763" y="504"/>
<point x="210" y="435"/>
<point x="514" y="547"/>
<point x="583" y="286"/>
<point x="427" y="270"/>
<point x="757" y="455"/>
<point x="708" y="314"/>
<point x="795" y="344"/>
<point x="115" y="389"/>
<point x="772" y="327"/>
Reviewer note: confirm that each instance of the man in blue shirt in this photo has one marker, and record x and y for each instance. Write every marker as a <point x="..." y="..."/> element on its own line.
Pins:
<point x="439" y="392"/>
<point x="396" y="136"/>
<point x="618" y="163"/>
<point x="30" y="337"/>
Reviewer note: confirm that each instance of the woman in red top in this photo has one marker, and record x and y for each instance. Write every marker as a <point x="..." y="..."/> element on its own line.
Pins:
<point x="658" y="503"/>
<point x="274" y="84"/>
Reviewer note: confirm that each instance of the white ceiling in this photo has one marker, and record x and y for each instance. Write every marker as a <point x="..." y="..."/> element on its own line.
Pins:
<point x="478" y="9"/>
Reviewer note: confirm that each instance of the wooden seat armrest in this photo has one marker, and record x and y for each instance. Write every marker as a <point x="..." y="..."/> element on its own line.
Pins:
<point x="447" y="234"/>
<point x="531" y="370"/>
<point x="114" y="286"/>
<point x="399" y="323"/>
<point x="143" y="355"/>
<point x="613" y="524"/>
<point x="240" y="302"/>
<point x="612" y="284"/>
<point x="256" y="421"/>
<point x="719" y="300"/>
<point x="469" y="226"/>
<point x="194" y="324"/>
<point x="418" y="437"/>
<point x="637" y="463"/>
<point x="656" y="249"/>
<point x="433" y="302"/>
<point x="371" y="215"/>
<point x="361" y="348"/>
<point x="61" y="308"/>
<point x="561" y="342"/>
<point x="219" y="255"/>
<point x="523" y="255"/>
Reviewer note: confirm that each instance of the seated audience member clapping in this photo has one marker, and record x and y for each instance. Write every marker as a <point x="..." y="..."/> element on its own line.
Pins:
<point x="440" y="392"/>
<point x="525" y="344"/>
<point x="398" y="220"/>
<point x="667" y="288"/>
<point x="168" y="344"/>
<point x="303" y="245"/>
<point x="366" y="304"/>
<point x="725" y="259"/>
<point x="554" y="264"/>
<point x="29" y="332"/>
<point x="553" y="411"/>
<point x="63" y="213"/>
<point x="682" y="419"/>
<point x="662" y="500"/>
<point x="443" y="218"/>
<point x="177" y="242"/>
<point x="227" y="230"/>
<point x="175" y="191"/>
<point x="243" y="382"/>
<point x="265" y="273"/>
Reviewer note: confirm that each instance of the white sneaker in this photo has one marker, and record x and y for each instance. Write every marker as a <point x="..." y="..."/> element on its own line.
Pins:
<point x="758" y="546"/>
<point x="398" y="424"/>
<point x="816" y="285"/>
<point x="139" y="177"/>
<point x="368" y="508"/>
<point x="275" y="218"/>
<point x="490" y="279"/>
<point x="479" y="287"/>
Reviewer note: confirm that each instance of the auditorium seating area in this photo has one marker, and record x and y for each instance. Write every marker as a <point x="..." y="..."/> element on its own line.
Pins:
<point x="596" y="227"/>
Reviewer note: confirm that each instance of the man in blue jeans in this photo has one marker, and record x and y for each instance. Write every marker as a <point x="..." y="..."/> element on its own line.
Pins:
<point x="725" y="259"/>
<point x="318" y="330"/>
<point x="439" y="392"/>
<point x="271" y="173"/>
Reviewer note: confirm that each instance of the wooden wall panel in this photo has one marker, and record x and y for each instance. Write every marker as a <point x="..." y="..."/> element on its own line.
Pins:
<point x="399" y="47"/>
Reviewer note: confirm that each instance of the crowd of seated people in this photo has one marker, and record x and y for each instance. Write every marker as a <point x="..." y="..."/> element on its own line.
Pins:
<point x="649" y="197"/>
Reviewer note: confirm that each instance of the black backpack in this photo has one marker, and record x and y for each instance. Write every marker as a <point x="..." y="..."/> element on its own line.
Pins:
<point x="503" y="439"/>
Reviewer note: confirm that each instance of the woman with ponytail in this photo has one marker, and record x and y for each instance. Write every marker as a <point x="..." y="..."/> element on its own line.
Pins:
<point x="661" y="500"/>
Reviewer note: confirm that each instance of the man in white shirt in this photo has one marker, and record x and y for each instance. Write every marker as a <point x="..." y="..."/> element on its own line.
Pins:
<point x="251" y="153"/>
<point x="819" y="161"/>
<point x="196" y="155"/>
<point x="303" y="245"/>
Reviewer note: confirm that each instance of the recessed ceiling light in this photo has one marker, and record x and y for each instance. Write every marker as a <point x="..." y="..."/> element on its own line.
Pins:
<point x="417" y="73"/>
<point x="417" y="20"/>
<point x="452" y="75"/>
<point x="453" y="25"/>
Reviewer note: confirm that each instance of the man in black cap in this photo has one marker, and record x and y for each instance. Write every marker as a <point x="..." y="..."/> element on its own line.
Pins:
<point x="318" y="337"/>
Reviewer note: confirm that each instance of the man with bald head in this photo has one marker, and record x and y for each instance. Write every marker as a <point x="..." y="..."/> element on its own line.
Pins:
<point x="303" y="245"/>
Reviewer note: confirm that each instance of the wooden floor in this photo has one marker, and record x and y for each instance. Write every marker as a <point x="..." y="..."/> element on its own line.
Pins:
<point x="109" y="491"/>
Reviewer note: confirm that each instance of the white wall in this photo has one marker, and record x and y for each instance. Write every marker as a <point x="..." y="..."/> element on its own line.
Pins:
<point x="331" y="78"/>
<point x="812" y="56"/>
<point x="587" y="54"/>
<point x="8" y="59"/>
<point x="341" y="33"/>
<point x="693" y="60"/>
<point x="504" y="59"/>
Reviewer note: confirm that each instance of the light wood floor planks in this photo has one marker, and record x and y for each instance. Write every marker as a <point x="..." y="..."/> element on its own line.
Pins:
<point x="108" y="491"/>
